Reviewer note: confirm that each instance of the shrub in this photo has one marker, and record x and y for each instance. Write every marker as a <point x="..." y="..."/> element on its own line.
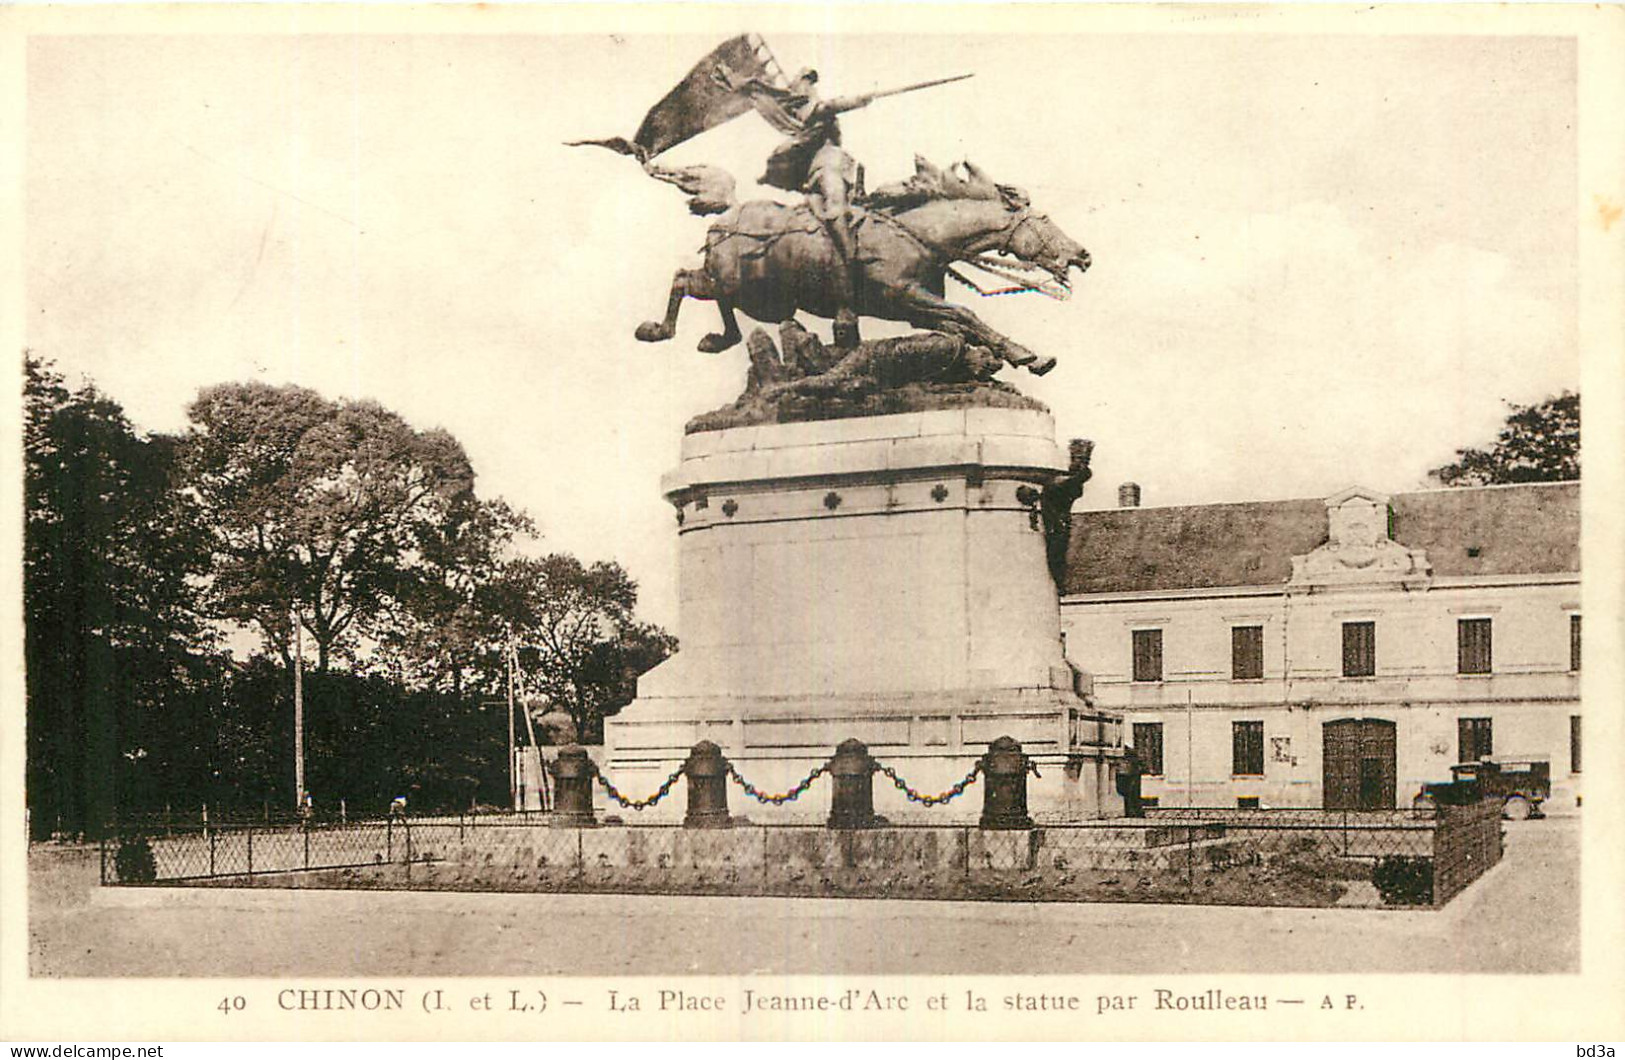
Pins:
<point x="1404" y="880"/>
<point x="134" y="861"/>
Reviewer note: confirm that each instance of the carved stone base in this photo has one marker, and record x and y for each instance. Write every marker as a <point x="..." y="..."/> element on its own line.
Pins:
<point x="881" y="579"/>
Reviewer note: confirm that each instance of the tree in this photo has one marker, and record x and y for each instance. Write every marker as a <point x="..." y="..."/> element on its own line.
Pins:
<point x="580" y="645"/>
<point x="1539" y="443"/>
<point x="317" y="505"/>
<point x="117" y="660"/>
<point x="368" y="738"/>
<point x="441" y="637"/>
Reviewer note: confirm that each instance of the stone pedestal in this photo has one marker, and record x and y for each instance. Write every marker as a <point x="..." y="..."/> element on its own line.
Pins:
<point x="880" y="578"/>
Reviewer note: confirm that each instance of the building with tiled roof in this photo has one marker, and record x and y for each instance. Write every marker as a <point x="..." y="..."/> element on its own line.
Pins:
<point x="1334" y="652"/>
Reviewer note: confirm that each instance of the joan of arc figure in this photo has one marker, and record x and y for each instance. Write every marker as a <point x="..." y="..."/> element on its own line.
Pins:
<point x="812" y="161"/>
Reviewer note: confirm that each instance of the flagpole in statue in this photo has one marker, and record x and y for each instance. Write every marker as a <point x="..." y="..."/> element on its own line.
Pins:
<point x="871" y="537"/>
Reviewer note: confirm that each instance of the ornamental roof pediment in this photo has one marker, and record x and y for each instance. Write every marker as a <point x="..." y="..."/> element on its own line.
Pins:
<point x="1351" y="493"/>
<point x="1359" y="546"/>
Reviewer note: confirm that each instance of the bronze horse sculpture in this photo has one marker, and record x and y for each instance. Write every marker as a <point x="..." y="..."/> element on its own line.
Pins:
<point x="770" y="261"/>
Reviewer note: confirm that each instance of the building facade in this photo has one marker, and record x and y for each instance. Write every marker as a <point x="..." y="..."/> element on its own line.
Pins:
<point x="1334" y="652"/>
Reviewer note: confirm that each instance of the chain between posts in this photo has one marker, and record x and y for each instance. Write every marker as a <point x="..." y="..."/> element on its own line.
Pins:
<point x="932" y="800"/>
<point x="796" y="792"/>
<point x="777" y="800"/>
<point x="637" y="804"/>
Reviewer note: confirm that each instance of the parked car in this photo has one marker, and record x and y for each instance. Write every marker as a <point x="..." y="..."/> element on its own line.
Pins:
<point x="1521" y="784"/>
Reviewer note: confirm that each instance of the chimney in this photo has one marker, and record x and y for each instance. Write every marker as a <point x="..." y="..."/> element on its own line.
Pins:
<point x="1128" y="495"/>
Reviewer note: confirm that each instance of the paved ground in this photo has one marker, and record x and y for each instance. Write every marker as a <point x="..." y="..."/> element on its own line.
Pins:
<point x="1521" y="917"/>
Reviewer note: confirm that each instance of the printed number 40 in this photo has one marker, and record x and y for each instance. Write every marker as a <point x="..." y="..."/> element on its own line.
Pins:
<point x="232" y="1004"/>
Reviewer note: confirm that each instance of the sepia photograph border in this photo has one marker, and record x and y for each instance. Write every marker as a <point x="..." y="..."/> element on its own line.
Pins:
<point x="1582" y="1007"/>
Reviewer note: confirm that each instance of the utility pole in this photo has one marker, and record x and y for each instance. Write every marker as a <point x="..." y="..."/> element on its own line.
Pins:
<point x="1190" y="751"/>
<point x="513" y="780"/>
<point x="298" y="714"/>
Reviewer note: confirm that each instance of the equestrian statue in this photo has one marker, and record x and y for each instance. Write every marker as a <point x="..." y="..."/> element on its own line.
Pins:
<point x="842" y="252"/>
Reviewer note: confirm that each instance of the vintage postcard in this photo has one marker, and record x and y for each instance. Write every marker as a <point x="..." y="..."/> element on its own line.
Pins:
<point x="927" y="521"/>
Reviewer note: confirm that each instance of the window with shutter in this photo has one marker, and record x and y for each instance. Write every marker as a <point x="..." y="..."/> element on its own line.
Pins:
<point x="1246" y="652"/>
<point x="1247" y="748"/>
<point x="1475" y="739"/>
<point x="1359" y="649"/>
<point x="1148" y="746"/>
<point x="1473" y="637"/>
<point x="1148" y="655"/>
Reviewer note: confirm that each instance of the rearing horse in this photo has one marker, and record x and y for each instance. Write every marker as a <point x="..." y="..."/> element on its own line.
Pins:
<point x="769" y="261"/>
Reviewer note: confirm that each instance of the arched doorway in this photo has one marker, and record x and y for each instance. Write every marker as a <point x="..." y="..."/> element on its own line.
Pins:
<point x="1358" y="764"/>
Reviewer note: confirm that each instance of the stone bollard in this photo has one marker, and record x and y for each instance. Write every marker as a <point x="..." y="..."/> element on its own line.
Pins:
<point x="707" y="787"/>
<point x="1004" y="795"/>
<point x="853" y="771"/>
<point x="573" y="776"/>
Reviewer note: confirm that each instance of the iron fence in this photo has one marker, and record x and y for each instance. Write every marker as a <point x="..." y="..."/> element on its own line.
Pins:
<point x="1236" y="858"/>
<point x="201" y="819"/>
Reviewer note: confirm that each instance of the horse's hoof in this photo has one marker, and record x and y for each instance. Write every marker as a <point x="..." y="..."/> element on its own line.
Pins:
<point x="1041" y="365"/>
<point x="716" y="343"/>
<point x="652" y="331"/>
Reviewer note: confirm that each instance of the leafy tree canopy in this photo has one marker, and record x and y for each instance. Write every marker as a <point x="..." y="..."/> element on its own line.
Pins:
<point x="445" y="635"/>
<point x="276" y="499"/>
<point x="1539" y="443"/>
<point x="580" y="646"/>
<point x="322" y="505"/>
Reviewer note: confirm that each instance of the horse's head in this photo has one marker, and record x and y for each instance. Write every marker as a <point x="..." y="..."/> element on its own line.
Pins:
<point x="1019" y="233"/>
<point x="1033" y="237"/>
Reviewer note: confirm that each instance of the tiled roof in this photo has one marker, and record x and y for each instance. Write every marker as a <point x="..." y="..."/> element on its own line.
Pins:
<point x="1523" y="529"/>
<point x="1529" y="529"/>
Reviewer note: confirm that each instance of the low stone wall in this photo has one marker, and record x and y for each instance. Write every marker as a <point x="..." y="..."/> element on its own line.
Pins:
<point x="686" y="852"/>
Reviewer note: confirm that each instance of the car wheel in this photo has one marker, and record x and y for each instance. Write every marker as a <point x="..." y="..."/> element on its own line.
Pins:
<point x="1516" y="808"/>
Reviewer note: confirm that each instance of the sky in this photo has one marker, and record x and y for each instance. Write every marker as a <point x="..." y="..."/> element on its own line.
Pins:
<point x="1317" y="261"/>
